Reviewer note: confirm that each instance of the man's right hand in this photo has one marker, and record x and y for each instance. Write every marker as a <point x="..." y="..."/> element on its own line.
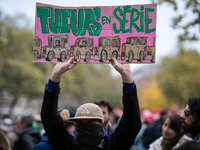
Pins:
<point x="61" y="68"/>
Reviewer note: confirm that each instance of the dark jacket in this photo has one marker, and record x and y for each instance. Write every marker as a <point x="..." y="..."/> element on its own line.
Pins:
<point x="44" y="144"/>
<point x="152" y="132"/>
<point x="27" y="139"/>
<point x="121" y="139"/>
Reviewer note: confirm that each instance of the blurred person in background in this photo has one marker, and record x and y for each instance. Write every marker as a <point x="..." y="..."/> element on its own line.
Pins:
<point x="37" y="124"/>
<point x="107" y="113"/>
<point x="154" y="130"/>
<point x="190" y="145"/>
<point x="4" y="142"/>
<point x="27" y="136"/>
<point x="172" y="134"/>
<point x="147" y="118"/>
<point x="7" y="128"/>
<point x="114" y="120"/>
<point x="191" y="118"/>
<point x="65" y="114"/>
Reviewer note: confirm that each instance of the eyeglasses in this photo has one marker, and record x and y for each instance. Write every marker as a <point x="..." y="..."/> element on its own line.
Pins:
<point x="187" y="113"/>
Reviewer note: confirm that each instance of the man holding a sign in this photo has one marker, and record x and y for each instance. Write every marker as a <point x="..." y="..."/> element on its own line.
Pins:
<point x="89" y="132"/>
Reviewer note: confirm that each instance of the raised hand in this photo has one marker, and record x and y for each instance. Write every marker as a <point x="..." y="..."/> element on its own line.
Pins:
<point x="124" y="70"/>
<point x="61" y="68"/>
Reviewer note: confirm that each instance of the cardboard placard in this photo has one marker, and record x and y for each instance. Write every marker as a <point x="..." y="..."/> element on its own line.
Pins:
<point x="95" y="34"/>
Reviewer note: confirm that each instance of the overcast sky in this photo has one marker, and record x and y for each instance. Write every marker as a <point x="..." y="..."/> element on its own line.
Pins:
<point x="166" y="37"/>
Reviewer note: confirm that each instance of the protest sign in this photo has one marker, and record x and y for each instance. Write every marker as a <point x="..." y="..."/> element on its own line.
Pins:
<point x="95" y="34"/>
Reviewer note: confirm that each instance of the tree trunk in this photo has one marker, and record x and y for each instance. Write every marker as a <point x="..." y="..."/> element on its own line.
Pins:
<point x="13" y="102"/>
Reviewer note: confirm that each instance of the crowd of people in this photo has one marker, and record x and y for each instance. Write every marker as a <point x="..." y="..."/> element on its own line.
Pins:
<point x="19" y="132"/>
<point x="27" y="133"/>
<point x="172" y="131"/>
<point x="95" y="126"/>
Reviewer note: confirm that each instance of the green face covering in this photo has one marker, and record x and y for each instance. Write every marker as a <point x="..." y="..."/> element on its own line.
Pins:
<point x="88" y="136"/>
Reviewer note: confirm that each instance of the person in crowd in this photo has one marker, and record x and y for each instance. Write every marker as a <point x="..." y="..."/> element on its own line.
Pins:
<point x="4" y="142"/>
<point x="37" y="124"/>
<point x="107" y="112"/>
<point x="7" y="128"/>
<point x="154" y="130"/>
<point x="27" y="136"/>
<point x="147" y="119"/>
<point x="89" y="133"/>
<point x="190" y="145"/>
<point x="172" y="134"/>
<point x="191" y="118"/>
<point x="114" y="120"/>
<point x="65" y="114"/>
